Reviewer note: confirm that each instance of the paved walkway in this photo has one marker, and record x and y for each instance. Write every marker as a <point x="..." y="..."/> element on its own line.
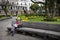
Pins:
<point x="3" y="33"/>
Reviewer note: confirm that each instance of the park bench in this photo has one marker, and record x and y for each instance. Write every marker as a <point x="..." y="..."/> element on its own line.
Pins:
<point x="51" y="31"/>
<point x="40" y="32"/>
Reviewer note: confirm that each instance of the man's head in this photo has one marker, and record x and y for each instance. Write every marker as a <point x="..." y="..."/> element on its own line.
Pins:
<point x="18" y="19"/>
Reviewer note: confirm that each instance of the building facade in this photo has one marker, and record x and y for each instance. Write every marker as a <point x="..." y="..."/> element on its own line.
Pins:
<point x="21" y="5"/>
<point x="25" y="4"/>
<point x="28" y="3"/>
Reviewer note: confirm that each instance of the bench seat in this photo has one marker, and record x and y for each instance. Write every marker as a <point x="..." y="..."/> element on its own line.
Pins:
<point x="52" y="34"/>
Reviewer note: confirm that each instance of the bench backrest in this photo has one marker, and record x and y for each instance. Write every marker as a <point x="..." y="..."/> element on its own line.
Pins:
<point x="45" y="26"/>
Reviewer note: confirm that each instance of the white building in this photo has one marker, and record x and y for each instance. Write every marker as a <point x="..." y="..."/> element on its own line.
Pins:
<point x="27" y="3"/>
<point x="24" y="4"/>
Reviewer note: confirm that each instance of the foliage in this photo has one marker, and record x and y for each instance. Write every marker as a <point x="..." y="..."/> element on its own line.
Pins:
<point x="41" y="19"/>
<point x="51" y="9"/>
<point x="34" y="7"/>
<point x="4" y="17"/>
<point x="31" y="17"/>
<point x="50" y="19"/>
<point x="36" y="18"/>
<point x="12" y="14"/>
<point x="22" y="17"/>
<point x="32" y="14"/>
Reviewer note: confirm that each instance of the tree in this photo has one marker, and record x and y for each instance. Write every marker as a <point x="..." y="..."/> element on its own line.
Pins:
<point x="50" y="9"/>
<point x="35" y="7"/>
<point x="5" y="10"/>
<point x="5" y="5"/>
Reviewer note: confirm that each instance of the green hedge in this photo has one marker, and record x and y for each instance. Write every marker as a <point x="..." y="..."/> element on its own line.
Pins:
<point x="4" y="16"/>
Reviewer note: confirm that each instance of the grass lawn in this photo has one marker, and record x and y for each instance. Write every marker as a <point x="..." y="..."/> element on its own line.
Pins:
<point x="41" y="18"/>
<point x="35" y="19"/>
<point x="3" y="17"/>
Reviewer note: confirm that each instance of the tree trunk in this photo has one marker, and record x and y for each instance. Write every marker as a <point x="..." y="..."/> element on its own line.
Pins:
<point x="6" y="12"/>
<point x="54" y="9"/>
<point x="47" y="10"/>
<point x="35" y="12"/>
<point x="16" y="13"/>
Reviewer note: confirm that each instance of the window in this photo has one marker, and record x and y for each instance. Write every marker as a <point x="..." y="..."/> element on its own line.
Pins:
<point x="24" y="0"/>
<point x="34" y="0"/>
<point x="43" y="0"/>
<point x="29" y="3"/>
<point x="17" y="3"/>
<point x="12" y="2"/>
<point x="21" y="0"/>
<point x="25" y="4"/>
<point x="21" y="3"/>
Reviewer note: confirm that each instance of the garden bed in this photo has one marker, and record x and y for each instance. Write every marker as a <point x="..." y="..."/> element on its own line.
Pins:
<point x="41" y="19"/>
<point x="4" y="17"/>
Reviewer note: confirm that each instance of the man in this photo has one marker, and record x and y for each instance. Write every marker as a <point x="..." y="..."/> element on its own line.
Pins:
<point x="17" y="24"/>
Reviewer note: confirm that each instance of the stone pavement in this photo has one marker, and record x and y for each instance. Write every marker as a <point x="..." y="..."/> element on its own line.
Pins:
<point x="3" y="33"/>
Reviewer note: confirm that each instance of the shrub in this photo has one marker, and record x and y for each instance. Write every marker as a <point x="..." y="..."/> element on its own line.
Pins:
<point x="2" y="16"/>
<point x="22" y="17"/>
<point x="8" y="15"/>
<point x="41" y="14"/>
<point x="50" y="19"/>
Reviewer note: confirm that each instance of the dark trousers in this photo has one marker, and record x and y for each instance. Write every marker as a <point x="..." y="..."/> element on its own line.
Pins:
<point x="11" y="32"/>
<point x="19" y="26"/>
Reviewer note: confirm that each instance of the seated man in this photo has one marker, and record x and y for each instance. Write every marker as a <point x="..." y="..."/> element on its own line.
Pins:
<point x="19" y="23"/>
